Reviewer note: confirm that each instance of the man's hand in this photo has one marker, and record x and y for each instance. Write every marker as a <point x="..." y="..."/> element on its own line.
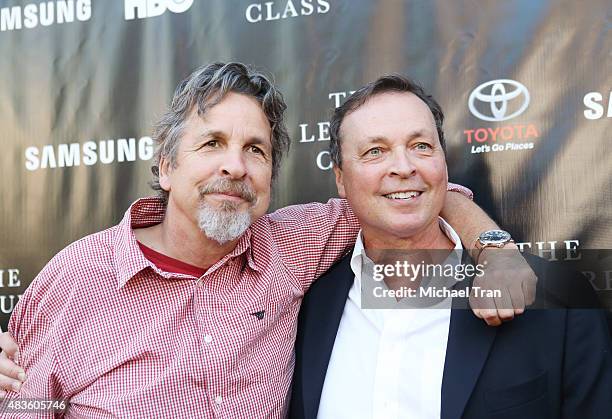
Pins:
<point x="507" y="271"/>
<point x="11" y="375"/>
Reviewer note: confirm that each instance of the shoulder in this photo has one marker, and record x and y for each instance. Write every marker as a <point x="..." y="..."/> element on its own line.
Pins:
<point x="561" y="286"/>
<point x="336" y="280"/>
<point x="566" y="306"/>
<point x="94" y="251"/>
<point x="65" y="284"/>
<point x="88" y="259"/>
<point x="341" y="268"/>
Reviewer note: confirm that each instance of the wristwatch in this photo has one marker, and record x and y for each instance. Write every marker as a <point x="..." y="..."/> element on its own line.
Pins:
<point x="492" y="238"/>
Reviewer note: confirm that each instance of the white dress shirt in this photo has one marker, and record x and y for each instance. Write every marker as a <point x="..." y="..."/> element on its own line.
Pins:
<point x="386" y="363"/>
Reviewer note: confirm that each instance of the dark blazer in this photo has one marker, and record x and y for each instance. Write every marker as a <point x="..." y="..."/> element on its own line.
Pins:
<point x="546" y="363"/>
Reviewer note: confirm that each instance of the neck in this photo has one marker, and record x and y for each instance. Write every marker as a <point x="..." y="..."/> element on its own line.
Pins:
<point x="431" y="237"/>
<point x="181" y="238"/>
<point x="431" y="245"/>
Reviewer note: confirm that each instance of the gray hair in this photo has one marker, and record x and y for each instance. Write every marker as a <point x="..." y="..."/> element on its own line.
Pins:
<point x="388" y="83"/>
<point x="206" y="87"/>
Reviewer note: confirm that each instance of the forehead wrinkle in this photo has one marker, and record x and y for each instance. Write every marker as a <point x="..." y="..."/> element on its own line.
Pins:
<point x="212" y="133"/>
<point x="424" y="132"/>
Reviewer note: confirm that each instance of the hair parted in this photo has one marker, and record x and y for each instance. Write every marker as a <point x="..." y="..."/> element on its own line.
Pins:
<point x="388" y="83"/>
<point x="206" y="87"/>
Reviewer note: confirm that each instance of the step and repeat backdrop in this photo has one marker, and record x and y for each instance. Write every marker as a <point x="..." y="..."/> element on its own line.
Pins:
<point x="526" y="87"/>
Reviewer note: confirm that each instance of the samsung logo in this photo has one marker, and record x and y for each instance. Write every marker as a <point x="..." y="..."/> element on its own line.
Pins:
<point x="89" y="153"/>
<point x="44" y="13"/>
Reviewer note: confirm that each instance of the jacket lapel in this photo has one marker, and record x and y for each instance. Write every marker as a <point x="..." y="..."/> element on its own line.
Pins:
<point x="320" y="326"/>
<point x="469" y="343"/>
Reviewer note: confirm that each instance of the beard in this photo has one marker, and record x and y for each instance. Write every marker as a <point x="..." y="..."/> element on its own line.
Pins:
<point x="226" y="222"/>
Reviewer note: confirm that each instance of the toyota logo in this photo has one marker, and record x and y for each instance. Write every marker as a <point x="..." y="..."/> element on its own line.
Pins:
<point x="497" y="98"/>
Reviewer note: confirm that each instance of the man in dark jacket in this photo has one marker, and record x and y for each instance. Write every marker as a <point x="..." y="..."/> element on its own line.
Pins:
<point x="354" y="361"/>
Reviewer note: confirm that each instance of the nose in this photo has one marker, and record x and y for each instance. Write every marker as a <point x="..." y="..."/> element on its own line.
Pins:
<point x="233" y="164"/>
<point x="401" y="164"/>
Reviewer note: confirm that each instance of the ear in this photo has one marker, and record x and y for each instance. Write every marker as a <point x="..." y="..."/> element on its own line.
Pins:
<point x="164" y="173"/>
<point x="339" y="182"/>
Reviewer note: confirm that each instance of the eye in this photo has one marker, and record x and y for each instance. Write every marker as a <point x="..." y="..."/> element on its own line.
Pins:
<point x="212" y="144"/>
<point x="422" y="147"/>
<point x="374" y="152"/>
<point x="256" y="150"/>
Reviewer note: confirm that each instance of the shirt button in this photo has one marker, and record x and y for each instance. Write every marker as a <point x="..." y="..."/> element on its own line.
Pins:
<point x="208" y="338"/>
<point x="218" y="399"/>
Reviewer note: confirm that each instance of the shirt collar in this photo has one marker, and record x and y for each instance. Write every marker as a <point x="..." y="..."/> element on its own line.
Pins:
<point x="358" y="255"/>
<point x="243" y="247"/>
<point x="145" y="212"/>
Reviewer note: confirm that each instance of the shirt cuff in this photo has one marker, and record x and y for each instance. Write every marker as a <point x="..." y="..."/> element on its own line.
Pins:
<point x="453" y="187"/>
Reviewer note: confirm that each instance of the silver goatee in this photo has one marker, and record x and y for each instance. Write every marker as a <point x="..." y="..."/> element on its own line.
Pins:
<point x="227" y="222"/>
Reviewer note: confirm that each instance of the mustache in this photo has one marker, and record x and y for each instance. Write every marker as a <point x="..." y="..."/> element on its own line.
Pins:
<point x="227" y="186"/>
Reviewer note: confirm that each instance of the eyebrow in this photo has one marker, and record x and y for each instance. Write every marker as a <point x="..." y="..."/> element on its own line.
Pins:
<point x="411" y="136"/>
<point x="216" y="133"/>
<point x="211" y="133"/>
<point x="260" y="141"/>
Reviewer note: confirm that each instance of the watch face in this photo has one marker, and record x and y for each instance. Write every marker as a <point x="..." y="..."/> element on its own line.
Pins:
<point x="494" y="237"/>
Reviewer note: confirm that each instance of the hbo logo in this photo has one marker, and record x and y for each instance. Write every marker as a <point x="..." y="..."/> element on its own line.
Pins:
<point x="140" y="9"/>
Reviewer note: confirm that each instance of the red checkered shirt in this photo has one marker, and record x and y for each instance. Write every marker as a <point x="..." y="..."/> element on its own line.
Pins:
<point x="105" y="329"/>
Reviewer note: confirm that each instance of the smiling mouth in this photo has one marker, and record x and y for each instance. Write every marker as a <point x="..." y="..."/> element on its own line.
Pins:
<point x="403" y="196"/>
<point x="227" y="196"/>
<point x="229" y="190"/>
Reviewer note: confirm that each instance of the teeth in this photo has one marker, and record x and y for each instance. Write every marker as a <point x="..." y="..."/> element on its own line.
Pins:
<point x="402" y="195"/>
